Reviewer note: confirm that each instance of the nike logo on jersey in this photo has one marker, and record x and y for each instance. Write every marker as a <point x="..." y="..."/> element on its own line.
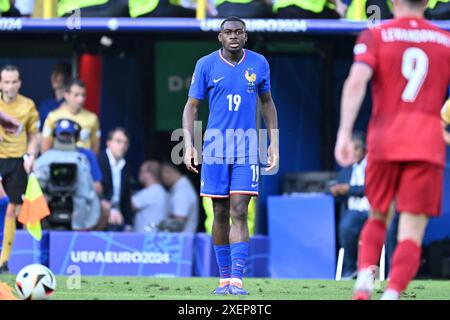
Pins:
<point x="217" y="80"/>
<point x="254" y="185"/>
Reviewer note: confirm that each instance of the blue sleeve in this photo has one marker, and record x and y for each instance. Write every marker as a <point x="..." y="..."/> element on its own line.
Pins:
<point x="264" y="84"/>
<point x="199" y="82"/>
<point x="356" y="191"/>
<point x="96" y="173"/>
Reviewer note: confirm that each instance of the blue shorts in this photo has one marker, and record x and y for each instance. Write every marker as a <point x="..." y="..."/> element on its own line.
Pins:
<point x="221" y="179"/>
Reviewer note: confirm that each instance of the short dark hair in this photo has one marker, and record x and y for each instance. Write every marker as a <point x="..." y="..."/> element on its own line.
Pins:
<point x="74" y="82"/>
<point x="361" y="137"/>
<point x="116" y="129"/>
<point x="232" y="18"/>
<point x="153" y="167"/>
<point x="169" y="164"/>
<point x="64" y="69"/>
<point x="9" y="67"/>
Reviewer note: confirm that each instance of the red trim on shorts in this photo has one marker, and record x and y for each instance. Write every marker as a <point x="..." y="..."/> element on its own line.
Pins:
<point x="213" y="195"/>
<point x="252" y="193"/>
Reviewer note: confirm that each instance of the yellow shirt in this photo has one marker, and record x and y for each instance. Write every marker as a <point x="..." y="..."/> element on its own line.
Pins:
<point x="24" y="110"/>
<point x="88" y="121"/>
<point x="445" y="113"/>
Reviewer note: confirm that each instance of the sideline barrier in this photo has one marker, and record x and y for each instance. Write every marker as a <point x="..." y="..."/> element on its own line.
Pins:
<point x="121" y="254"/>
<point x="183" y="25"/>
<point x="302" y="234"/>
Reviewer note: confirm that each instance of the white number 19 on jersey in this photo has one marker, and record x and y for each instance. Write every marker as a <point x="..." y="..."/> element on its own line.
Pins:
<point x="414" y="69"/>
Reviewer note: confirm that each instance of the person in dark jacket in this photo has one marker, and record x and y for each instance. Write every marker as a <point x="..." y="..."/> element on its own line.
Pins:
<point x="117" y="214"/>
<point x="349" y="191"/>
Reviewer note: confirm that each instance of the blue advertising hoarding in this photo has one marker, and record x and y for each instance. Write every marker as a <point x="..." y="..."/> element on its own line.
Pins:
<point x="26" y="250"/>
<point x="122" y="254"/>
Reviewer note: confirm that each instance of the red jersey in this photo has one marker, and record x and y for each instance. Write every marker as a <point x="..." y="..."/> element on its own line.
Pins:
<point x="410" y="59"/>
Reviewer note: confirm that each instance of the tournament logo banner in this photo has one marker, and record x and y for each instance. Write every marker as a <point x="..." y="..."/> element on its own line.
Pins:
<point x="122" y="254"/>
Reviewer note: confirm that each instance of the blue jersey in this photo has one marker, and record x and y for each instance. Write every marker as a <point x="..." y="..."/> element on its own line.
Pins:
<point x="232" y="92"/>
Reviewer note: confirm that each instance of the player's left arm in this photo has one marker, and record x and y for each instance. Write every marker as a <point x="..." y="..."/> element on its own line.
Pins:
<point x="353" y="93"/>
<point x="269" y="114"/>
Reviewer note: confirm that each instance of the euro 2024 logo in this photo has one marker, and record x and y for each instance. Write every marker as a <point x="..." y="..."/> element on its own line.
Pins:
<point x="251" y="78"/>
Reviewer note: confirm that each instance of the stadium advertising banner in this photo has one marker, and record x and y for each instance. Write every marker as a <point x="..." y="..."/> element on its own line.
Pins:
<point x="26" y="250"/>
<point x="121" y="254"/>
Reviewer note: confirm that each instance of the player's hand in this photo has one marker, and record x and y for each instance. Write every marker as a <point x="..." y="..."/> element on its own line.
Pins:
<point x="272" y="161"/>
<point x="10" y="124"/>
<point x="115" y="217"/>
<point x="191" y="156"/>
<point x="344" y="150"/>
<point x="28" y="164"/>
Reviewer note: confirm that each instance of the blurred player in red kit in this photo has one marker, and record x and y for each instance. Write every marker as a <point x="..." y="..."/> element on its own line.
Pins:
<point x="408" y="61"/>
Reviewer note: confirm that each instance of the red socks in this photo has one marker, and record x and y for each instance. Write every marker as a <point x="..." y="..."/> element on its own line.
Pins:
<point x="371" y="243"/>
<point x="405" y="264"/>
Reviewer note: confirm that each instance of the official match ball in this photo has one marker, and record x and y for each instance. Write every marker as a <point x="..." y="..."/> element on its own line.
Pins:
<point x="35" y="282"/>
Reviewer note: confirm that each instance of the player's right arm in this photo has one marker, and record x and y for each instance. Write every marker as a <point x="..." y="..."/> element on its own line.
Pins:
<point x="353" y="93"/>
<point x="189" y="116"/>
<point x="197" y="92"/>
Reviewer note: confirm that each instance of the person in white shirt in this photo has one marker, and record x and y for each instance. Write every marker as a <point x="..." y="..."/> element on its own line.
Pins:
<point x="184" y="202"/>
<point x="150" y="204"/>
<point x="117" y="214"/>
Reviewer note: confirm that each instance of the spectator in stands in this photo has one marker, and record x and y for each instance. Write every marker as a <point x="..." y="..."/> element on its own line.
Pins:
<point x="184" y="202"/>
<point x="116" y="198"/>
<point x="308" y="9"/>
<point x="438" y="10"/>
<point x="73" y="109"/>
<point x="7" y="9"/>
<point x="244" y="8"/>
<point x="360" y="10"/>
<point x="162" y="8"/>
<point x="86" y="204"/>
<point x="61" y="75"/>
<point x="151" y="203"/>
<point x="94" y="8"/>
<point x="355" y="206"/>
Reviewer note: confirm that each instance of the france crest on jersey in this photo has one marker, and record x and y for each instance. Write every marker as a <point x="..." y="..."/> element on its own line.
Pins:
<point x="232" y="92"/>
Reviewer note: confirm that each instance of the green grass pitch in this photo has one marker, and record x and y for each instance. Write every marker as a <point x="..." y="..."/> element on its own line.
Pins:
<point x="150" y="288"/>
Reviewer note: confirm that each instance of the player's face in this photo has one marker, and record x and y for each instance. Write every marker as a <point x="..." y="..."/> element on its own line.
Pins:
<point x="76" y="97"/>
<point x="359" y="151"/>
<point x="166" y="176"/>
<point x="57" y="81"/>
<point x="118" y="145"/>
<point x="10" y="83"/>
<point x="233" y="36"/>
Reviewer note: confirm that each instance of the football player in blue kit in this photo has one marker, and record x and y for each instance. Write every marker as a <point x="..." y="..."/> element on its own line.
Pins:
<point x="231" y="79"/>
